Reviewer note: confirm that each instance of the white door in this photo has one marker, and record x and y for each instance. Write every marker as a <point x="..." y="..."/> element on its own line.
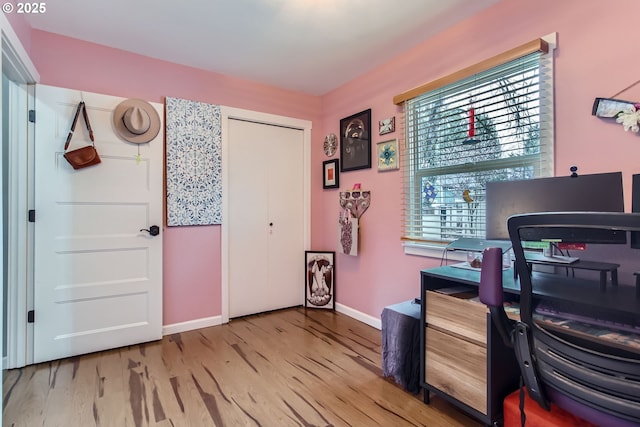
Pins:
<point x="97" y="276"/>
<point x="265" y="218"/>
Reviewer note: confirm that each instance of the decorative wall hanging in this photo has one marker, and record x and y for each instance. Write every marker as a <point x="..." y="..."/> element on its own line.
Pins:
<point x="387" y="125"/>
<point x="330" y="144"/>
<point x="330" y="174"/>
<point x="194" y="163"/>
<point x="471" y="131"/>
<point x="320" y="279"/>
<point x="625" y="112"/>
<point x="356" y="201"/>
<point x="388" y="155"/>
<point x="347" y="234"/>
<point x="355" y="141"/>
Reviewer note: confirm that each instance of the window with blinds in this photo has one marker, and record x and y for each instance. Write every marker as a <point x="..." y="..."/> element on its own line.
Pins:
<point x="492" y="125"/>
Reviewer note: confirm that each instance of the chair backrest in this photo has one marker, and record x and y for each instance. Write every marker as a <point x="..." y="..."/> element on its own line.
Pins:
<point x="571" y="364"/>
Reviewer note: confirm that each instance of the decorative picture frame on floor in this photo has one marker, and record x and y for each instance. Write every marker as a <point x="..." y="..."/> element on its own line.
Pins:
<point x="355" y="141"/>
<point x="320" y="286"/>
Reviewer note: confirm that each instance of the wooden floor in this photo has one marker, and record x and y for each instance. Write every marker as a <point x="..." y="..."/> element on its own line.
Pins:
<point x="293" y="367"/>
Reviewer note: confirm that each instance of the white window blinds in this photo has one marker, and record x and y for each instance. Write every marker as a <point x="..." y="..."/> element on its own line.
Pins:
<point x="495" y="124"/>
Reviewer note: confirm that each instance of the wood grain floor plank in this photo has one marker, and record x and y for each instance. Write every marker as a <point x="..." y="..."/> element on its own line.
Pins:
<point x="295" y="367"/>
<point x="109" y="394"/>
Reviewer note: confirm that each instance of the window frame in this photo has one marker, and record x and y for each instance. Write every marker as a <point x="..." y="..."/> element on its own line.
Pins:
<point x="412" y="202"/>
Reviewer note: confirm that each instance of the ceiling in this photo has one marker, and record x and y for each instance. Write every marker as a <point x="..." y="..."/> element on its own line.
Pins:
<point x="310" y="46"/>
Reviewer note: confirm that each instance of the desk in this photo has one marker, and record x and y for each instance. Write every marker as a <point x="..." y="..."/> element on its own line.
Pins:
<point x="463" y="358"/>
<point x="602" y="267"/>
<point x="401" y="344"/>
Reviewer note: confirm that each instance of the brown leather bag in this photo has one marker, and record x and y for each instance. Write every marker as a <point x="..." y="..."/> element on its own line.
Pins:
<point x="85" y="156"/>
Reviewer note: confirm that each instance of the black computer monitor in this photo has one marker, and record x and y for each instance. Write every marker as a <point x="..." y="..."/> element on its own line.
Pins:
<point x="584" y="193"/>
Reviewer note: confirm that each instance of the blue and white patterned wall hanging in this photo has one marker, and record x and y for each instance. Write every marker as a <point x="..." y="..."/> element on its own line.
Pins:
<point x="194" y="163"/>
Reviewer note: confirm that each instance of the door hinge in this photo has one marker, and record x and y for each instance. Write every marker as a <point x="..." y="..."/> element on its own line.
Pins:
<point x="32" y="215"/>
<point x="31" y="315"/>
<point x="32" y="116"/>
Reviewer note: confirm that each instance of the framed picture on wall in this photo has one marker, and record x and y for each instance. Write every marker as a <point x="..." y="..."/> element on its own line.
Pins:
<point x="320" y="286"/>
<point x="387" y="125"/>
<point x="387" y="154"/>
<point x="355" y="141"/>
<point x="330" y="174"/>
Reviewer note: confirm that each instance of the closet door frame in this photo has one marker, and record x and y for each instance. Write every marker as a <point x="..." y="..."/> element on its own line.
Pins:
<point x="230" y="113"/>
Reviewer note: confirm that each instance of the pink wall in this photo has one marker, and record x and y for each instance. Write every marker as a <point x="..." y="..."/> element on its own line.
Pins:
<point x="596" y="57"/>
<point x="192" y="279"/>
<point x="21" y="27"/>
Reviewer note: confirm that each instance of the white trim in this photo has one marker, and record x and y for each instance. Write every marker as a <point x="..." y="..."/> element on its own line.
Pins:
<point x="19" y="68"/>
<point x="374" y="322"/>
<point x="18" y="64"/>
<point x="18" y="260"/>
<point x="548" y="90"/>
<point x="433" y="251"/>
<point x="30" y="237"/>
<point x="227" y="114"/>
<point x="205" y="322"/>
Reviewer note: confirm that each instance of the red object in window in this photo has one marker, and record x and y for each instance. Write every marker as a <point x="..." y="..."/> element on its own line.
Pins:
<point x="472" y="124"/>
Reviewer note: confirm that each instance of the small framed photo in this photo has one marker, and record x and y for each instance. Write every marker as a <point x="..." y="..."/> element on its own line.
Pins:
<point x="320" y="286"/>
<point x="355" y="141"/>
<point x="330" y="174"/>
<point x="387" y="125"/>
<point x="387" y="154"/>
<point x="609" y="107"/>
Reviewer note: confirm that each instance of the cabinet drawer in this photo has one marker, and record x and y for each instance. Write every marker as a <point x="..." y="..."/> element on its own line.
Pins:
<point x="457" y="367"/>
<point x="461" y="317"/>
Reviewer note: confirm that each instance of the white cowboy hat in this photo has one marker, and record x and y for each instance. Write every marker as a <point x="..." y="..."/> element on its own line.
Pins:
<point x="136" y="121"/>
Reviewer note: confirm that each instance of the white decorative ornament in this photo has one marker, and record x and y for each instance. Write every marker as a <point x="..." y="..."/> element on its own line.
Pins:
<point x="629" y="120"/>
<point x="330" y="144"/>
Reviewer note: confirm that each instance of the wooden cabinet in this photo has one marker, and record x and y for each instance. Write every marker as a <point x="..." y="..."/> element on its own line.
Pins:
<point x="458" y="367"/>
<point x="458" y="316"/>
<point x="463" y="358"/>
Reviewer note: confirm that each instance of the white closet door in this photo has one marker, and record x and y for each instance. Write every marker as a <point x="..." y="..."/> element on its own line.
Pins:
<point x="266" y="223"/>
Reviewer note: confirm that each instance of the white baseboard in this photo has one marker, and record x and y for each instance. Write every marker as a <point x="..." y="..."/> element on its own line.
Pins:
<point x="358" y="315"/>
<point x="191" y="325"/>
<point x="217" y="321"/>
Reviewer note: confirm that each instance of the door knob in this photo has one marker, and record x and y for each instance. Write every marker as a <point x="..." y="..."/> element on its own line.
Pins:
<point x="154" y="230"/>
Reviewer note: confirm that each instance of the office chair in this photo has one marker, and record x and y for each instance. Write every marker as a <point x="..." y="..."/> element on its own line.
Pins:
<point x="599" y="384"/>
